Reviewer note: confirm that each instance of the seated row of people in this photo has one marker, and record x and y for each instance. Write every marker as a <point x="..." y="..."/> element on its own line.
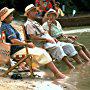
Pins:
<point x="41" y="38"/>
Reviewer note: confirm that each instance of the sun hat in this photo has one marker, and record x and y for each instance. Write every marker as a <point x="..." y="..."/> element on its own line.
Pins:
<point x="45" y="18"/>
<point x="4" y="12"/>
<point x="51" y="11"/>
<point x="28" y="8"/>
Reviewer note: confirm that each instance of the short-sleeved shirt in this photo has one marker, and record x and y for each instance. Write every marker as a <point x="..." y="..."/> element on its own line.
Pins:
<point x="33" y="27"/>
<point x="56" y="30"/>
<point x="11" y="33"/>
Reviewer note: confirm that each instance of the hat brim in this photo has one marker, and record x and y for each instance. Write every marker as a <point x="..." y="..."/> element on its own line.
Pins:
<point x="51" y="13"/>
<point x="7" y="14"/>
<point x="25" y="14"/>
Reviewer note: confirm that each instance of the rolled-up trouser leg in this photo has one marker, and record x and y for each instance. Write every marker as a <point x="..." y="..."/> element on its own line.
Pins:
<point x="68" y="49"/>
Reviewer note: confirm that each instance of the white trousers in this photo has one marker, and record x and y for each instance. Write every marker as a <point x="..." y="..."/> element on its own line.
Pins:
<point x="60" y="49"/>
<point x="38" y="54"/>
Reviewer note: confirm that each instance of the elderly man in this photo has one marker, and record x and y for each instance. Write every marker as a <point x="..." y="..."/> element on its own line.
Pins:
<point x="13" y="37"/>
<point x="40" y="37"/>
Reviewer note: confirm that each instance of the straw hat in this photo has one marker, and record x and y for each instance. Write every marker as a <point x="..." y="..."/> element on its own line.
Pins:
<point x="4" y="12"/>
<point x="28" y="8"/>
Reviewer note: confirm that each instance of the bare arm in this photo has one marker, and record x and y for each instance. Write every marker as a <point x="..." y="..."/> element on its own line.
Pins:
<point x="74" y="37"/>
<point x="49" y="26"/>
<point x="41" y="39"/>
<point x="18" y="42"/>
<point x="34" y="37"/>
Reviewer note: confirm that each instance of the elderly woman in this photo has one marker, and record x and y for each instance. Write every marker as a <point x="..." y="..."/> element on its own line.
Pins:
<point x="55" y="30"/>
<point x="13" y="37"/>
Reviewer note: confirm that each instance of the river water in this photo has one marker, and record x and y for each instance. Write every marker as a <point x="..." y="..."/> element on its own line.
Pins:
<point x="80" y="78"/>
<point x="83" y="82"/>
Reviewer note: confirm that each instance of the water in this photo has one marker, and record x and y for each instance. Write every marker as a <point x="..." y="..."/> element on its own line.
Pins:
<point x="77" y="31"/>
<point x="84" y="78"/>
<point x="80" y="78"/>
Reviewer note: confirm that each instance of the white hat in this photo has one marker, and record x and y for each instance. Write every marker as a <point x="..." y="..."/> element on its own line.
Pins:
<point x="4" y="12"/>
<point x="51" y="11"/>
<point x="28" y="8"/>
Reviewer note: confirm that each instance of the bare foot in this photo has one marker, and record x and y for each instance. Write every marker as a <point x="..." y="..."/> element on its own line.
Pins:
<point x="62" y="80"/>
<point x="59" y="76"/>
